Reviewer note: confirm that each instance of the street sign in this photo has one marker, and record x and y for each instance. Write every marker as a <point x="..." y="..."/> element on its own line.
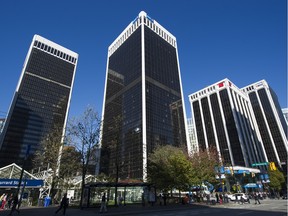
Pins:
<point x="260" y="164"/>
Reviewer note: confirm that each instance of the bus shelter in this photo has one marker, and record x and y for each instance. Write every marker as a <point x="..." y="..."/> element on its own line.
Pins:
<point x="129" y="193"/>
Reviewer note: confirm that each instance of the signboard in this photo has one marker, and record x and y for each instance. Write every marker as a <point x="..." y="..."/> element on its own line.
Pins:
<point x="260" y="164"/>
<point x="10" y="183"/>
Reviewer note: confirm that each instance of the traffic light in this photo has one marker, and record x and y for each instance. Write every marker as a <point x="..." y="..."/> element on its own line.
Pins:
<point x="272" y="166"/>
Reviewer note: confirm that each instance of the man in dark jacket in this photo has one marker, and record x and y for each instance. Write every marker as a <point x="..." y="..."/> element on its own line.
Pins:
<point x="64" y="204"/>
<point x="14" y="205"/>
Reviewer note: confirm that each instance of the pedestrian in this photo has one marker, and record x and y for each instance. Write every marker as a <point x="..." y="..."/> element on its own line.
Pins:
<point x="226" y="198"/>
<point x="217" y="198"/>
<point x="242" y="200"/>
<point x="256" y="198"/>
<point x="220" y="199"/>
<point x="164" y="199"/>
<point x="236" y="199"/>
<point x="14" y="205"/>
<point x="103" y="203"/>
<point x="4" y="199"/>
<point x="160" y="199"/>
<point x="64" y="204"/>
<point x="10" y="199"/>
<point x="143" y="199"/>
<point x="120" y="199"/>
<point x="207" y="198"/>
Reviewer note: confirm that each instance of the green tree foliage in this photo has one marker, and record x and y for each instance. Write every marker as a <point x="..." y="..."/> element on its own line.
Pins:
<point x="47" y="155"/>
<point x="168" y="168"/>
<point x="70" y="166"/>
<point x="52" y="154"/>
<point x="203" y="163"/>
<point x="277" y="179"/>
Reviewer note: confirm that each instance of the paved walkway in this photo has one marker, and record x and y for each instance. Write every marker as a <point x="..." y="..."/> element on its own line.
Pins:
<point x="124" y="210"/>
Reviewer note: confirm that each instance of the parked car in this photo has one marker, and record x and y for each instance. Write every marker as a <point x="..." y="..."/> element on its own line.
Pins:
<point x="232" y="197"/>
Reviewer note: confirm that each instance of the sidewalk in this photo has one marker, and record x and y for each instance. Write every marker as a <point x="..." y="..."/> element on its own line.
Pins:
<point x="124" y="210"/>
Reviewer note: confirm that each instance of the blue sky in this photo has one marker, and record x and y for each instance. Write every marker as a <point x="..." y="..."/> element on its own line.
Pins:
<point x="242" y="40"/>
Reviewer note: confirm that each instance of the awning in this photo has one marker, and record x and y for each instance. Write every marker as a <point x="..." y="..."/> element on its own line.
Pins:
<point x="252" y="185"/>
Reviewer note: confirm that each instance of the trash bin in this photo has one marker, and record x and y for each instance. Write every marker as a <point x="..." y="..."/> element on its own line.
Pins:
<point x="47" y="201"/>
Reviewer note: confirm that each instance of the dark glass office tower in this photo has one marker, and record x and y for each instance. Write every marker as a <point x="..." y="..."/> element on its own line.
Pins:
<point x="271" y="122"/>
<point x="41" y="100"/>
<point x="223" y="120"/>
<point x="143" y="101"/>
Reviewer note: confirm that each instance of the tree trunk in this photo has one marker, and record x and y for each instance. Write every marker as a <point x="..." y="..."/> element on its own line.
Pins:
<point x="82" y="186"/>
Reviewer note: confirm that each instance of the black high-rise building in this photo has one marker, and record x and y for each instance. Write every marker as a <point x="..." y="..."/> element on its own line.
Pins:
<point x="270" y="121"/>
<point x="41" y="100"/>
<point x="143" y="101"/>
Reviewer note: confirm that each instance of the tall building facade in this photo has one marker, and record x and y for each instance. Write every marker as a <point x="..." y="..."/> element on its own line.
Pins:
<point x="143" y="100"/>
<point x="41" y="100"/>
<point x="271" y="122"/>
<point x="285" y="113"/>
<point x="192" y="135"/>
<point x="223" y="120"/>
<point x="2" y="121"/>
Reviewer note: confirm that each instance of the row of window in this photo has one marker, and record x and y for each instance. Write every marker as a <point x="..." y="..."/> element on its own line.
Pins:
<point x="250" y="88"/>
<point x="54" y="51"/>
<point x="159" y="31"/>
<point x="203" y="92"/>
<point x="148" y="22"/>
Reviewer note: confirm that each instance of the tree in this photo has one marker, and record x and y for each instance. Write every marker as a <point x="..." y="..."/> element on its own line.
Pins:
<point x="277" y="179"/>
<point x="53" y="154"/>
<point x="84" y="132"/>
<point x="69" y="168"/>
<point x="203" y="163"/>
<point x="48" y="154"/>
<point x="168" y="168"/>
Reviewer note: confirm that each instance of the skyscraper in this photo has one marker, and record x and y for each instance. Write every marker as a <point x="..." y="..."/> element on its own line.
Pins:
<point x="143" y="100"/>
<point x="223" y="120"/>
<point x="271" y="122"/>
<point x="192" y="135"/>
<point x="41" y="100"/>
<point x="285" y="113"/>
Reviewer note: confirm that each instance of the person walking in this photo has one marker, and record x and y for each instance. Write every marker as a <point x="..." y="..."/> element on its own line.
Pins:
<point x="103" y="203"/>
<point x="217" y="198"/>
<point x="4" y="199"/>
<point x="64" y="204"/>
<point x="256" y="198"/>
<point x="10" y="199"/>
<point x="14" y="205"/>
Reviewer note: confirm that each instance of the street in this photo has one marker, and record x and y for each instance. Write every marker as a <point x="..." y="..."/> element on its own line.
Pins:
<point x="266" y="208"/>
